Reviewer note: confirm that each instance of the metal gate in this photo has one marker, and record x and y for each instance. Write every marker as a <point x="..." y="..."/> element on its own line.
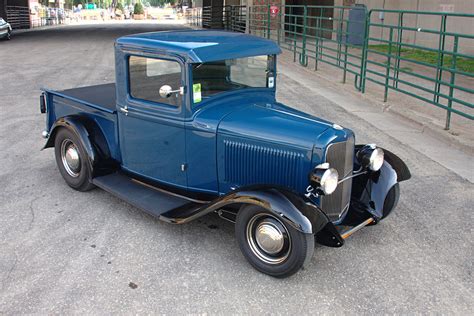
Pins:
<point x="18" y="17"/>
<point x="420" y="54"/>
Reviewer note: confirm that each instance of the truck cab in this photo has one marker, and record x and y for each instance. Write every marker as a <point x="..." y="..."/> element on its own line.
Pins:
<point x="192" y="126"/>
<point x="173" y="93"/>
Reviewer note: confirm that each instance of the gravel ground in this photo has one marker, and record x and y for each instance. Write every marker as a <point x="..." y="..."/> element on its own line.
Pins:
<point x="62" y="251"/>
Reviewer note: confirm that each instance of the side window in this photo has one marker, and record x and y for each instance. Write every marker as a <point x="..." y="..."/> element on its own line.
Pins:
<point x="148" y="75"/>
<point x="250" y="71"/>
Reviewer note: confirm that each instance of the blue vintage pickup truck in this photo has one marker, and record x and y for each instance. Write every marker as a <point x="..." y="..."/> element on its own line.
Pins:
<point x="192" y="126"/>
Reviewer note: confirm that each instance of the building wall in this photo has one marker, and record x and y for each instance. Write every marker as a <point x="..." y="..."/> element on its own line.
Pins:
<point x="454" y="24"/>
<point x="16" y="12"/>
<point x="3" y="9"/>
<point x="197" y="3"/>
<point x="232" y="2"/>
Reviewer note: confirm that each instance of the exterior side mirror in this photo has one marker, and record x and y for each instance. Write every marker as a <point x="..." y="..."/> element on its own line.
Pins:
<point x="166" y="91"/>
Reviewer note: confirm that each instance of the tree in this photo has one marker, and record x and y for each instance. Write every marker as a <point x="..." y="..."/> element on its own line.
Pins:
<point x="161" y="3"/>
<point x="138" y="8"/>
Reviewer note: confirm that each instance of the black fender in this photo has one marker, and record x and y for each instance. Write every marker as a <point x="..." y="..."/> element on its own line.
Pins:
<point x="292" y="209"/>
<point x="370" y="190"/>
<point x="90" y="136"/>
<point x="289" y="206"/>
<point x="398" y="165"/>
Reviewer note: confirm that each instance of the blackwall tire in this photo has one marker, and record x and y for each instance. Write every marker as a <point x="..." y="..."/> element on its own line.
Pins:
<point x="270" y="254"/>
<point x="72" y="160"/>
<point x="391" y="200"/>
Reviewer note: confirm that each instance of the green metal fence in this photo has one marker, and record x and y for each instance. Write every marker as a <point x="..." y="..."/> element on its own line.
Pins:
<point x="391" y="48"/>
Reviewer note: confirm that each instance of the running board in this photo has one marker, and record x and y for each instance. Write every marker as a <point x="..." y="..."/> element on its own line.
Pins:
<point x="352" y="230"/>
<point x="147" y="198"/>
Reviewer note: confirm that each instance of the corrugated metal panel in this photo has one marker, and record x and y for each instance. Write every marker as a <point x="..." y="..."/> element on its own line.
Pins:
<point x="341" y="157"/>
<point x="18" y="17"/>
<point x="247" y="164"/>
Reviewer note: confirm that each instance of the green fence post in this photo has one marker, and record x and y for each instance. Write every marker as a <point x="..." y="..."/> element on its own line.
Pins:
<point x="452" y="81"/>
<point x="279" y="26"/>
<point x="345" y="50"/>
<point x="365" y="53"/>
<point x="339" y="38"/>
<point x="316" y="43"/>
<point x="294" y="34"/>
<point x="439" y="70"/>
<point x="389" y="61"/>
<point x="303" y="58"/>
<point x="399" y="50"/>
<point x="268" y="21"/>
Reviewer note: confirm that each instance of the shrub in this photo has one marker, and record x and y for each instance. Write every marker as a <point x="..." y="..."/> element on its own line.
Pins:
<point x="138" y="8"/>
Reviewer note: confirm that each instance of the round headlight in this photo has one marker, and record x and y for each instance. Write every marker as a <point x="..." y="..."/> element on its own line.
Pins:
<point x="329" y="181"/>
<point x="376" y="159"/>
<point x="370" y="157"/>
<point x="324" y="179"/>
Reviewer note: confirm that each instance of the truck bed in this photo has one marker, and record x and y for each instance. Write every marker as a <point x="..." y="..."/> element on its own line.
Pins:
<point x="96" y="103"/>
<point x="102" y="95"/>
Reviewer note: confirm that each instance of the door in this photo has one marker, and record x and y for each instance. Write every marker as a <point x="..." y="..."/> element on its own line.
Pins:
<point x="151" y="126"/>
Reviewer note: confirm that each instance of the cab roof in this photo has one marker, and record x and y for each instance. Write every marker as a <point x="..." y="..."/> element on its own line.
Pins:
<point x="198" y="46"/>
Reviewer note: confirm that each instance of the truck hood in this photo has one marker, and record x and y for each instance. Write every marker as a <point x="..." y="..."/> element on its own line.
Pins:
<point x="274" y="123"/>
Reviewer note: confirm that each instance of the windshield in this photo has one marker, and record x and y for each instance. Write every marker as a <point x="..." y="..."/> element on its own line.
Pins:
<point x="232" y="74"/>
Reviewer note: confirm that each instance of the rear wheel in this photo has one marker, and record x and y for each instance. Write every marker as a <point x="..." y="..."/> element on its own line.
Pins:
<point x="71" y="159"/>
<point x="270" y="245"/>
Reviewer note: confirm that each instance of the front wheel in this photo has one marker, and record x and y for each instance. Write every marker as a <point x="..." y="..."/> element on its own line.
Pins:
<point x="270" y="245"/>
<point x="391" y="200"/>
<point x="9" y="35"/>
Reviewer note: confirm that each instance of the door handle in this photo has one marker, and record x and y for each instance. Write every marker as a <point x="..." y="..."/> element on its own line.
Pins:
<point x="124" y="110"/>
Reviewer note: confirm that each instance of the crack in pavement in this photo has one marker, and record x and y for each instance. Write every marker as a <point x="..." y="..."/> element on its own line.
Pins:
<point x="32" y="212"/>
<point x="5" y="280"/>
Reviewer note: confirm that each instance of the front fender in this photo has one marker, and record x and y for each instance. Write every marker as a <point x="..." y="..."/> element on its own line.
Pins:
<point x="370" y="190"/>
<point x="398" y="165"/>
<point x="275" y="202"/>
<point x="291" y="208"/>
<point x="378" y="186"/>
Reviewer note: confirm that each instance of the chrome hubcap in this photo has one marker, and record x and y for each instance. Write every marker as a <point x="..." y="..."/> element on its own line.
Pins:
<point x="70" y="158"/>
<point x="268" y="238"/>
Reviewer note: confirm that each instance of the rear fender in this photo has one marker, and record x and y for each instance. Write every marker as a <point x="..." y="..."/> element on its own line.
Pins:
<point x="90" y="136"/>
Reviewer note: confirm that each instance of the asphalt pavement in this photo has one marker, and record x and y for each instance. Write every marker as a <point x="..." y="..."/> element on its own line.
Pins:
<point x="63" y="251"/>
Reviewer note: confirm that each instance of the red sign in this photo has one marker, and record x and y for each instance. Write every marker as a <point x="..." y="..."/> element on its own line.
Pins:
<point x="274" y="11"/>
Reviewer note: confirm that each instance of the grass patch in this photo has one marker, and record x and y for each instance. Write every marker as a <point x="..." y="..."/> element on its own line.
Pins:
<point x="407" y="69"/>
<point x="429" y="57"/>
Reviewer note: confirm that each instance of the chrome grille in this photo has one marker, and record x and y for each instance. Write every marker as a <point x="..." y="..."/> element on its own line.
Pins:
<point x="340" y="156"/>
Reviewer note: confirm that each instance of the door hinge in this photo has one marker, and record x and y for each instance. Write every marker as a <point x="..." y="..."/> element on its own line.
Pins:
<point x="184" y="167"/>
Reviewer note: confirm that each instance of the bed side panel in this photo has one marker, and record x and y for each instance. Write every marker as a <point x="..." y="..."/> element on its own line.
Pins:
<point x="61" y="106"/>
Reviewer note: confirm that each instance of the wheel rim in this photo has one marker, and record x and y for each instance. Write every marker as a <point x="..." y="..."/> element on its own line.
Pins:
<point x="70" y="158"/>
<point x="268" y="238"/>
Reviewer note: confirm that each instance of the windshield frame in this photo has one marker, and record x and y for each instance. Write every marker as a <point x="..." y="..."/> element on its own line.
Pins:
<point x="271" y="72"/>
